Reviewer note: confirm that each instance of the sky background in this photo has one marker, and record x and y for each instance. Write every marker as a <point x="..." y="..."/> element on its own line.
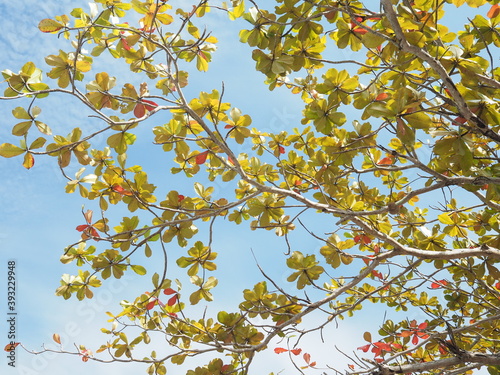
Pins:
<point x="38" y="220"/>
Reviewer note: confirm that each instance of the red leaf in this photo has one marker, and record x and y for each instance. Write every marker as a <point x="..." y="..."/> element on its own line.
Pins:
<point x="151" y="304"/>
<point x="365" y="348"/>
<point x="169" y="291"/>
<point x="172" y="301"/>
<point x="180" y="197"/>
<point x="10" y="347"/>
<point x="383" y="346"/>
<point x="351" y="367"/>
<point x="439" y="284"/>
<point x="93" y="232"/>
<point x="231" y="160"/>
<point x="149" y="105"/>
<point x="312" y="364"/>
<point x="493" y="12"/>
<point x="414" y="340"/>
<point x="201" y="158"/>
<point x="362" y="238"/>
<point x="125" y="44"/>
<point x="296" y="351"/>
<point x="395" y="345"/>
<point x="423" y="325"/>
<point x="280" y="350"/>
<point x="82" y="227"/>
<point x="228" y="126"/>
<point x="282" y="149"/>
<point x="139" y="110"/>
<point x="442" y="349"/>
<point x="459" y="120"/>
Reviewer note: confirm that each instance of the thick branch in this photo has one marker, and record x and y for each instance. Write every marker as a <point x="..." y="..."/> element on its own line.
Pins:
<point x="465" y="357"/>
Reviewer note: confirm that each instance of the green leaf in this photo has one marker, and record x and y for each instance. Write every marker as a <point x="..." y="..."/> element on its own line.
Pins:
<point x="21" y="128"/>
<point x="21" y="114"/>
<point x="418" y="120"/>
<point x="140" y="270"/>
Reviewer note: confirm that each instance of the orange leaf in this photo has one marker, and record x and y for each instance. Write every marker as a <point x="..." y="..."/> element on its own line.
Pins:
<point x="381" y="96"/>
<point x="118" y="189"/>
<point x="280" y="350"/>
<point x="10" y="347"/>
<point x="406" y="333"/>
<point x="493" y="12"/>
<point x="307" y="357"/>
<point x="358" y="30"/>
<point x="201" y="158"/>
<point x="56" y="338"/>
<point x="296" y="351"/>
<point x="388" y="160"/>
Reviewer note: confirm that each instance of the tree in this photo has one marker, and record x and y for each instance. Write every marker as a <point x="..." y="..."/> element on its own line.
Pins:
<point x="410" y="184"/>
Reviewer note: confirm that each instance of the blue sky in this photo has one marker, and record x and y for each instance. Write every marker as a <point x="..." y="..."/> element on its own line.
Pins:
<point x="37" y="218"/>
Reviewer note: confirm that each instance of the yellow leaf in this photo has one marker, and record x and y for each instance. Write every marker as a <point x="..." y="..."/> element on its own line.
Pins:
<point x="29" y="161"/>
<point x="83" y="66"/>
<point x="49" y="26"/>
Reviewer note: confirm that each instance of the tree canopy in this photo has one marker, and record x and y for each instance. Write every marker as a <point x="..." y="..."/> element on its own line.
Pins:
<point x="397" y="150"/>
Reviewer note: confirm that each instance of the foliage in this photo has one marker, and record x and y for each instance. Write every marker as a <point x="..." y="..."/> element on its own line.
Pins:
<point x="398" y="147"/>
